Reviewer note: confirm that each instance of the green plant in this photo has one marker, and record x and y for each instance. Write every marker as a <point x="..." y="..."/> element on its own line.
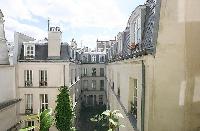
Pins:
<point x="112" y="118"/>
<point x="45" y="120"/>
<point x="64" y="113"/>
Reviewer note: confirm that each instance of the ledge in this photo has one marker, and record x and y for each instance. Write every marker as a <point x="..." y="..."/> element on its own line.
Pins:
<point x="8" y="103"/>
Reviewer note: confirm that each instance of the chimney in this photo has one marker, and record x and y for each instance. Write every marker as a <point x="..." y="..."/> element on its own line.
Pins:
<point x="54" y="42"/>
<point x="3" y="47"/>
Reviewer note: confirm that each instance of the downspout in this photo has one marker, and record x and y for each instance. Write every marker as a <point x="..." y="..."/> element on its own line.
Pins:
<point x="143" y="97"/>
<point x="64" y="75"/>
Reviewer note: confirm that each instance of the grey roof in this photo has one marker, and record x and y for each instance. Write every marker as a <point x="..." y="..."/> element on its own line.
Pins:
<point x="41" y="52"/>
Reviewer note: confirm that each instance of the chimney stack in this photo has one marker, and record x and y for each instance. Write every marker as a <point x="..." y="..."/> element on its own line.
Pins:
<point x="54" y="42"/>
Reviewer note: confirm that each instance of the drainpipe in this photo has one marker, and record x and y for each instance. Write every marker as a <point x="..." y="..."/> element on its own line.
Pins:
<point x="143" y="97"/>
<point x="64" y="75"/>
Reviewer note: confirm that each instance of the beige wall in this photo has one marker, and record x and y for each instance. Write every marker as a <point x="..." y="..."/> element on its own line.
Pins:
<point x="122" y="74"/>
<point x="8" y="115"/>
<point x="55" y="79"/>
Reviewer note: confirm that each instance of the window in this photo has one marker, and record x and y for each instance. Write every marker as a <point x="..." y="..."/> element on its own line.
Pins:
<point x="93" y="71"/>
<point x="43" y="102"/>
<point x="85" y="72"/>
<point x="93" y="84"/>
<point x="28" y="103"/>
<point x="85" y="84"/>
<point x="101" y="84"/>
<point x="118" y="91"/>
<point x="29" y="124"/>
<point x="71" y="76"/>
<point x="75" y="75"/>
<point x="43" y="77"/>
<point x="100" y="99"/>
<point x="101" y="71"/>
<point x="85" y="59"/>
<point x="134" y="101"/>
<point x="93" y="58"/>
<point x="29" y="52"/>
<point x="28" y="78"/>
<point x="101" y="58"/>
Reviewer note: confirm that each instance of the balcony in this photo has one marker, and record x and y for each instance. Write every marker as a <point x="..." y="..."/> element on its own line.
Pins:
<point x="28" y="111"/>
<point x="43" y="83"/>
<point x="28" y="83"/>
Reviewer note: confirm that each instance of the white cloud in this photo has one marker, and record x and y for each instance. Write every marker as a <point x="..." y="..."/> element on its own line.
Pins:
<point x="73" y="13"/>
<point x="12" y="25"/>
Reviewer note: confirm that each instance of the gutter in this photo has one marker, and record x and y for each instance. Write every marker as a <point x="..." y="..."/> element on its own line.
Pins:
<point x="143" y="97"/>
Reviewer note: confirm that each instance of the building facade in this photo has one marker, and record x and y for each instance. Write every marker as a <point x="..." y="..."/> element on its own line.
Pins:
<point x="158" y="89"/>
<point x="42" y="68"/>
<point x="93" y="84"/>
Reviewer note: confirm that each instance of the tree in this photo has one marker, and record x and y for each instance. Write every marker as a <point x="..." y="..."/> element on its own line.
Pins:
<point x="44" y="118"/>
<point x="64" y="113"/>
<point x="112" y="117"/>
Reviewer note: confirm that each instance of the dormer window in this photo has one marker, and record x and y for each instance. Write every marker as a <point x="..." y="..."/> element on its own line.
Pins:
<point x="29" y="51"/>
<point x="93" y="58"/>
<point x="101" y="58"/>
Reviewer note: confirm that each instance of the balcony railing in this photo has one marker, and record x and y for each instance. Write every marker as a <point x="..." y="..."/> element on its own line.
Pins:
<point x="43" y="83"/>
<point x="28" y="111"/>
<point x="28" y="83"/>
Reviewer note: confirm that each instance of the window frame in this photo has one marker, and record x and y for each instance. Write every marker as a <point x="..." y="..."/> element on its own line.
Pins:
<point x="44" y="102"/>
<point x="43" y="81"/>
<point x="28" y="78"/>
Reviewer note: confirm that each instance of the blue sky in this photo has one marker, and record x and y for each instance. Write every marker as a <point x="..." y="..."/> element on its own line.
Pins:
<point x="84" y="20"/>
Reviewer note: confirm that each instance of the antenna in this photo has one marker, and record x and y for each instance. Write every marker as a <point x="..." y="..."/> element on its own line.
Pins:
<point x="48" y="24"/>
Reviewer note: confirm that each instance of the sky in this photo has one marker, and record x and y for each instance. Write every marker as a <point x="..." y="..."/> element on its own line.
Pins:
<point x="84" y="20"/>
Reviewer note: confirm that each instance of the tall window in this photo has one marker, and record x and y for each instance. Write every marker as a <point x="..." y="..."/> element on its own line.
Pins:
<point x="93" y="84"/>
<point x="72" y="76"/>
<point x="28" y="103"/>
<point x="135" y="97"/>
<point x="43" y="102"/>
<point x="93" y="71"/>
<point x="100" y="99"/>
<point x="29" y="124"/>
<point x="43" y="77"/>
<point x="75" y="75"/>
<point x="30" y="53"/>
<point x="93" y="58"/>
<point x="85" y="84"/>
<point x="85" y="72"/>
<point x="28" y="75"/>
<point x="101" y="84"/>
<point x="101" y="71"/>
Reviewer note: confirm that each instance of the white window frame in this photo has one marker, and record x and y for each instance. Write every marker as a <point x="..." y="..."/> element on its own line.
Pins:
<point x="43" y="102"/>
<point x="28" y="101"/>
<point x="93" y="58"/>
<point x="29" y="124"/>
<point x="94" y="84"/>
<point x="28" y="78"/>
<point x="29" y="51"/>
<point x="43" y="77"/>
<point x="84" y="71"/>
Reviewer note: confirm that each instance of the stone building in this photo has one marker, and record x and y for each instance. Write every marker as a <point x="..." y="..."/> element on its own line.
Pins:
<point x="93" y="84"/>
<point x="157" y="88"/>
<point x="8" y="100"/>
<point x="41" y="69"/>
